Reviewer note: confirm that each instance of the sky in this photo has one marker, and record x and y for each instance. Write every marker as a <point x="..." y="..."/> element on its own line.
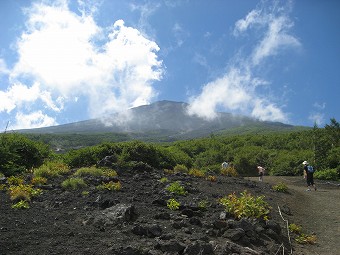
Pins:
<point x="66" y="61"/>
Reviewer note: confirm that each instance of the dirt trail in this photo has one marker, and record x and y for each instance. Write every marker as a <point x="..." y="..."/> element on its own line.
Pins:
<point x="316" y="211"/>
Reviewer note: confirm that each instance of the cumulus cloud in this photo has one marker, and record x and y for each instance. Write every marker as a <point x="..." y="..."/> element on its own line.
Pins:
<point x="33" y="120"/>
<point x="237" y="89"/>
<point x="70" y="56"/>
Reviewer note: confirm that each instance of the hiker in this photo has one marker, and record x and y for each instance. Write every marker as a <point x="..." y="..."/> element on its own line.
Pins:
<point x="308" y="172"/>
<point x="224" y="165"/>
<point x="261" y="170"/>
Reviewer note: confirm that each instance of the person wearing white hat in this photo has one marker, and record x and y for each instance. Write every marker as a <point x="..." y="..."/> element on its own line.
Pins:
<point x="308" y="172"/>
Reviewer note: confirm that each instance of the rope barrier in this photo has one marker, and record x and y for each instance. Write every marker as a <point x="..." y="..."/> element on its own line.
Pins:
<point x="290" y="242"/>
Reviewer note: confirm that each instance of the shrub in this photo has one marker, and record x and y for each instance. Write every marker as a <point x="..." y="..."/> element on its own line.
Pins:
<point x="73" y="183"/>
<point x="110" y="186"/>
<point x="229" y="171"/>
<point x="181" y="168"/>
<point x="280" y="187"/>
<point x="196" y="172"/>
<point x="22" y="204"/>
<point x="172" y="204"/>
<point x="176" y="189"/>
<point x="246" y="206"/>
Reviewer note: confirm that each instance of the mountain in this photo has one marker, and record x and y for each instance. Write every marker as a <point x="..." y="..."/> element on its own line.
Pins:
<point x="164" y="120"/>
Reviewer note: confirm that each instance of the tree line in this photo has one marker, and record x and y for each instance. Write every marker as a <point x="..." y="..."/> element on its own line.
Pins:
<point x="280" y="153"/>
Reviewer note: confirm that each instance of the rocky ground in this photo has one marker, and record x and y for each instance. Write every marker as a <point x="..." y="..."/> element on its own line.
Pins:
<point x="136" y="220"/>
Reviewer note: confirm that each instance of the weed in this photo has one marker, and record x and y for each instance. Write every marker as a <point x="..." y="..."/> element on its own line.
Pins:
<point x="172" y="204"/>
<point x="280" y="187"/>
<point x="73" y="183"/>
<point x="22" y="204"/>
<point x="294" y="228"/>
<point x="246" y="206"/>
<point x="38" y="180"/>
<point x="176" y="188"/>
<point x="15" y="180"/>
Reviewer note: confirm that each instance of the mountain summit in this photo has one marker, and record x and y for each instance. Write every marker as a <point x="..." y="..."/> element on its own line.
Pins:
<point x="167" y="118"/>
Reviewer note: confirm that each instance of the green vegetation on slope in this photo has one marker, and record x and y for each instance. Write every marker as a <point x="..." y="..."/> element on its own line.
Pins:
<point x="281" y="153"/>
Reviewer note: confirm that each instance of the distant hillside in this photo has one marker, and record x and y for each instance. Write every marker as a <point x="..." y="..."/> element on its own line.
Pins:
<point x="163" y="119"/>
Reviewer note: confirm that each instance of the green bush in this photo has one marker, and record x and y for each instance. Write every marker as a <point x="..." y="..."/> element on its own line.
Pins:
<point x="246" y="206"/>
<point x="18" y="153"/>
<point x="74" y="183"/>
<point x="181" y="168"/>
<point x="328" y="174"/>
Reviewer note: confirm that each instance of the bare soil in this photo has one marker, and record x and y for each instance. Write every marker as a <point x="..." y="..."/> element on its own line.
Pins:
<point x="62" y="222"/>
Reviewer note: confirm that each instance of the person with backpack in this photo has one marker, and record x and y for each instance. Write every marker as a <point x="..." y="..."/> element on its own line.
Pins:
<point x="261" y="171"/>
<point x="308" y="172"/>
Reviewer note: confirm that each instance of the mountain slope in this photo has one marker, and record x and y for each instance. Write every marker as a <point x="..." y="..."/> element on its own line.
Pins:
<point x="164" y="119"/>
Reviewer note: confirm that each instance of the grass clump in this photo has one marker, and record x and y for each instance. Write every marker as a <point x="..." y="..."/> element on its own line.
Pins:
<point x="246" y="206"/>
<point x="176" y="188"/>
<point x="280" y="187"/>
<point x="89" y="171"/>
<point x="112" y="186"/>
<point x="74" y="183"/>
<point x="51" y="170"/>
<point x="173" y="204"/>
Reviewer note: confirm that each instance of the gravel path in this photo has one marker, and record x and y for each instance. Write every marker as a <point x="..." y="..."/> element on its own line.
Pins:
<point x="316" y="211"/>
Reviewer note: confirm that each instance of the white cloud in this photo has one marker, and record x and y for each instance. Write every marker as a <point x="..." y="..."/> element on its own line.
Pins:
<point x="70" y="56"/>
<point x="20" y="96"/>
<point x="236" y="90"/>
<point x="33" y="120"/>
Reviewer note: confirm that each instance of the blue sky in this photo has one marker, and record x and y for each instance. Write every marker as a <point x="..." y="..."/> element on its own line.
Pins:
<point x="66" y="61"/>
